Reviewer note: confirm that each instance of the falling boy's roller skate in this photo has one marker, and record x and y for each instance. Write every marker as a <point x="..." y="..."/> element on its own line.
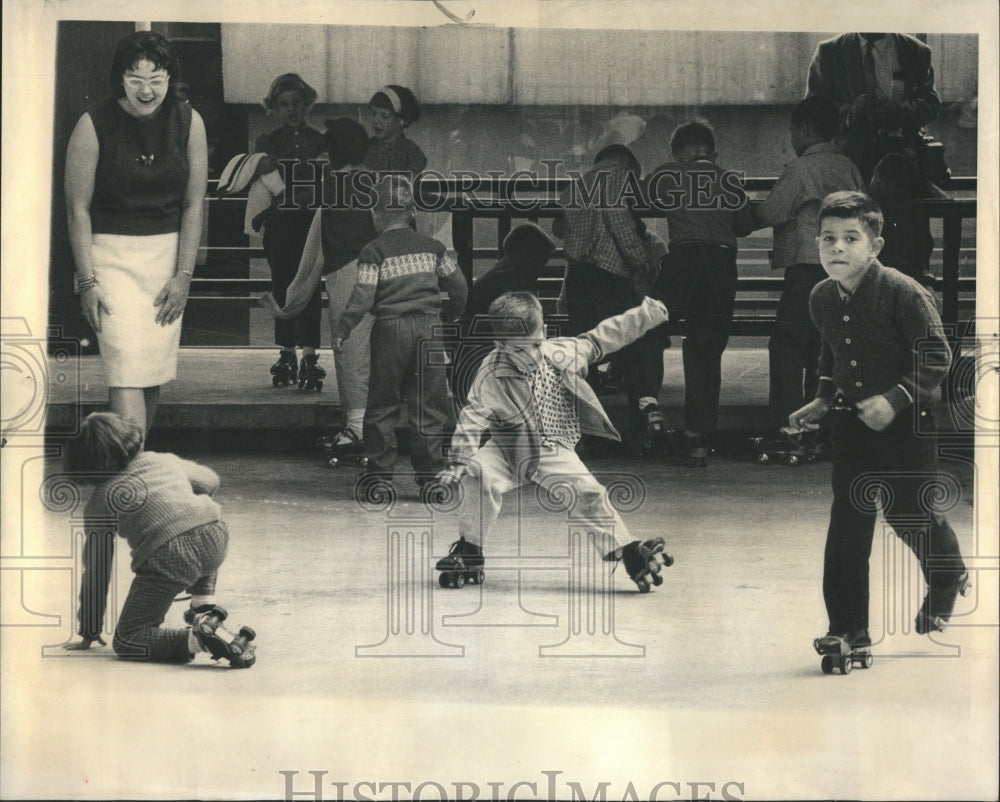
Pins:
<point x="643" y="560"/>
<point x="206" y="624"/>
<point x="464" y="563"/>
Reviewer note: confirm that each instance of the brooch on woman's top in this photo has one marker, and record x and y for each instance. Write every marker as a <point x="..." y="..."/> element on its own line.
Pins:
<point x="146" y="160"/>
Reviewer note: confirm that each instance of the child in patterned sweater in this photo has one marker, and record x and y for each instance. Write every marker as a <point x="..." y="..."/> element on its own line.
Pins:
<point x="163" y="506"/>
<point x="401" y="275"/>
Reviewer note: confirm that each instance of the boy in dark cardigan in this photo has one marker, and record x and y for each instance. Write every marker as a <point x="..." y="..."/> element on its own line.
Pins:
<point x="872" y="319"/>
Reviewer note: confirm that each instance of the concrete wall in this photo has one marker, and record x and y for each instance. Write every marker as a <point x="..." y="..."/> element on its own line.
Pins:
<point x="505" y="98"/>
<point x="531" y="66"/>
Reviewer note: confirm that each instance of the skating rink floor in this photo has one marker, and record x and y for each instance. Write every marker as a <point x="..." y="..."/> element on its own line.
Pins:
<point x="373" y="682"/>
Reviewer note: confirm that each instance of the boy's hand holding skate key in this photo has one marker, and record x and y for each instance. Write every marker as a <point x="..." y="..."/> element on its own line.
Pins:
<point x="807" y="418"/>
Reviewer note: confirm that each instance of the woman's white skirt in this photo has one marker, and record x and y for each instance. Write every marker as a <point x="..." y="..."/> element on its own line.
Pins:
<point x="135" y="349"/>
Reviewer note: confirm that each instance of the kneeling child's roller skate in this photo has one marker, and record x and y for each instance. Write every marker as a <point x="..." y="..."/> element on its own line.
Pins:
<point x="643" y="560"/>
<point x="285" y="371"/>
<point x="844" y="651"/>
<point x="464" y="563"/>
<point x="939" y="604"/>
<point x="206" y="623"/>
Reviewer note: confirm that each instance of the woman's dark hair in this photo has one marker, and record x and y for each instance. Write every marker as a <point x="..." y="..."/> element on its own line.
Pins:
<point x="152" y="47"/>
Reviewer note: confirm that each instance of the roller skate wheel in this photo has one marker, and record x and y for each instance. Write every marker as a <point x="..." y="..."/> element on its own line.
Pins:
<point x="643" y="585"/>
<point x="763" y="459"/>
<point x="826" y="664"/>
<point x="480" y="577"/>
<point x="333" y="462"/>
<point x="866" y="661"/>
<point x="459" y="580"/>
<point x="846" y="664"/>
<point x="443" y="580"/>
<point x="794" y="461"/>
<point x="657" y="579"/>
<point x="363" y="462"/>
<point x="248" y="633"/>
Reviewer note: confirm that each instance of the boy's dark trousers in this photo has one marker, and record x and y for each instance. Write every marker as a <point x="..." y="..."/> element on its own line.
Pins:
<point x="698" y="285"/>
<point x="593" y="295"/>
<point x="400" y="367"/>
<point x="794" y="345"/>
<point x="896" y="468"/>
<point x="285" y="235"/>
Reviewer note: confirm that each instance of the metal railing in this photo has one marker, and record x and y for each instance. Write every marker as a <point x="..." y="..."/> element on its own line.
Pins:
<point x="510" y="201"/>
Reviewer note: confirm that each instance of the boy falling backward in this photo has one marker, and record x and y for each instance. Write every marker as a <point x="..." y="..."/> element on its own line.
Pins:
<point x="530" y="393"/>
<point x="871" y="319"/>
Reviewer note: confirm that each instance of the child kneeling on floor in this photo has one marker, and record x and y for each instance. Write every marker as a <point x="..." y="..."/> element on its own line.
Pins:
<point x="163" y="506"/>
<point x="531" y="394"/>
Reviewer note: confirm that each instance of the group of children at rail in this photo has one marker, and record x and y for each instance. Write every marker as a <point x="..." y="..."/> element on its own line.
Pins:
<point x="841" y="311"/>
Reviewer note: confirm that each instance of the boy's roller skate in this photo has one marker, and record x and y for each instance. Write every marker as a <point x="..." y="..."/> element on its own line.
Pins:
<point x="344" y="446"/>
<point x="311" y="375"/>
<point x="939" y="603"/>
<point x="206" y="623"/>
<point x="643" y="560"/>
<point x="790" y="447"/>
<point x="464" y="563"/>
<point x="285" y="370"/>
<point x="844" y="651"/>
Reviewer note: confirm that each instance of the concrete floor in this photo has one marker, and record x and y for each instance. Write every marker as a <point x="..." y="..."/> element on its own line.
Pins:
<point x="711" y="679"/>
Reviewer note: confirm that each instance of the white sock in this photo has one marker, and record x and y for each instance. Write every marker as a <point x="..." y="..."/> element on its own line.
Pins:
<point x="355" y="420"/>
<point x="198" y="601"/>
<point x="645" y="401"/>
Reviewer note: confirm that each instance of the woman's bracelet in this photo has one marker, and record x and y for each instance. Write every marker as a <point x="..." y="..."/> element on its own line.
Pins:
<point x="83" y="283"/>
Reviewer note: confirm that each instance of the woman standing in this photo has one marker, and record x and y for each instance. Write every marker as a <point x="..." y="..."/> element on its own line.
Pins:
<point x="136" y="170"/>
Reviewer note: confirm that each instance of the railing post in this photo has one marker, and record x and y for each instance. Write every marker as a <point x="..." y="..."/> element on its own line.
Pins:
<point x="950" y="250"/>
<point x="461" y="237"/>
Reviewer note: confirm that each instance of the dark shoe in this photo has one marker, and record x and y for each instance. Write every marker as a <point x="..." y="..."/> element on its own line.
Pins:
<point x="939" y="604"/>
